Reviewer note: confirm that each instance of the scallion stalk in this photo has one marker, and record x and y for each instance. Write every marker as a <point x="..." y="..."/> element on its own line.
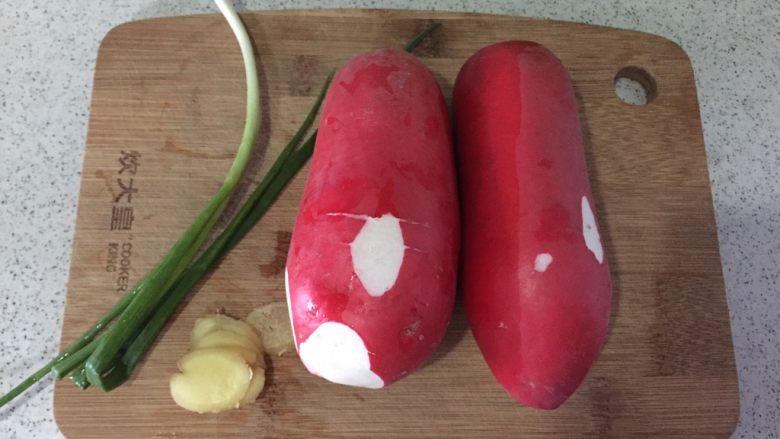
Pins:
<point x="75" y="361"/>
<point x="71" y="350"/>
<point x="411" y="45"/>
<point x="79" y="378"/>
<point x="164" y="275"/>
<point x="277" y="178"/>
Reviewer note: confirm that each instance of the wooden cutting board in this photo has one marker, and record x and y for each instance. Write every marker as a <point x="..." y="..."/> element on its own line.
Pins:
<point x="167" y="113"/>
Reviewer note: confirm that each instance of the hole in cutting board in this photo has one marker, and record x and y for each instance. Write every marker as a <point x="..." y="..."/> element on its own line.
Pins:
<point x="635" y="86"/>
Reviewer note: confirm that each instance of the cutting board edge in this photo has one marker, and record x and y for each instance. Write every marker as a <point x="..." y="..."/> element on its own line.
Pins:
<point x="422" y="15"/>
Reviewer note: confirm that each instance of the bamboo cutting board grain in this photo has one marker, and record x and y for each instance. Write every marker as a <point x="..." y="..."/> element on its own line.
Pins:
<point x="167" y="114"/>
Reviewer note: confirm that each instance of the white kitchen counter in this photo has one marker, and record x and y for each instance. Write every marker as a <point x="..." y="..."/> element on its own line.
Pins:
<point x="47" y="59"/>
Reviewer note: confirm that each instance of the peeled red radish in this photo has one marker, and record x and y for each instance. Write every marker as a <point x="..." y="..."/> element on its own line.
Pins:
<point x="373" y="257"/>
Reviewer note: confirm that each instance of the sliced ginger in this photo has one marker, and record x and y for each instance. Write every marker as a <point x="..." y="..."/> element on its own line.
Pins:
<point x="224" y="369"/>
<point x="211" y="380"/>
<point x="203" y="326"/>
<point x="272" y="321"/>
<point x="216" y="322"/>
<point x="224" y="339"/>
<point x="255" y="387"/>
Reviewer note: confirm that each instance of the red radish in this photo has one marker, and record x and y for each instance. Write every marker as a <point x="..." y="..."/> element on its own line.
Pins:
<point x="373" y="259"/>
<point x="536" y="283"/>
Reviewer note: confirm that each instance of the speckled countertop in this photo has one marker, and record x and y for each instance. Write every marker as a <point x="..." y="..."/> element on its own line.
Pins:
<point x="47" y="59"/>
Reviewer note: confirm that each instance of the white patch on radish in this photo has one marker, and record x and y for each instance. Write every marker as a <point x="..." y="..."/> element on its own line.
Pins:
<point x="542" y="261"/>
<point x="336" y="352"/>
<point x="502" y="325"/>
<point x="289" y="306"/>
<point x="591" y="232"/>
<point x="377" y="253"/>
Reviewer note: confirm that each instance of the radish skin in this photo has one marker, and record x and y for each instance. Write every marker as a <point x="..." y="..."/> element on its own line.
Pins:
<point x="373" y="258"/>
<point x="535" y="279"/>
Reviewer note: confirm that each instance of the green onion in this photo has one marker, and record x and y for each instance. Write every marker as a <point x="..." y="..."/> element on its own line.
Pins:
<point x="72" y="349"/>
<point x="411" y="45"/>
<point x="162" y="277"/>
<point x="166" y="289"/>
<point x="75" y="361"/>
<point x="79" y="378"/>
<point x="267" y="191"/>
